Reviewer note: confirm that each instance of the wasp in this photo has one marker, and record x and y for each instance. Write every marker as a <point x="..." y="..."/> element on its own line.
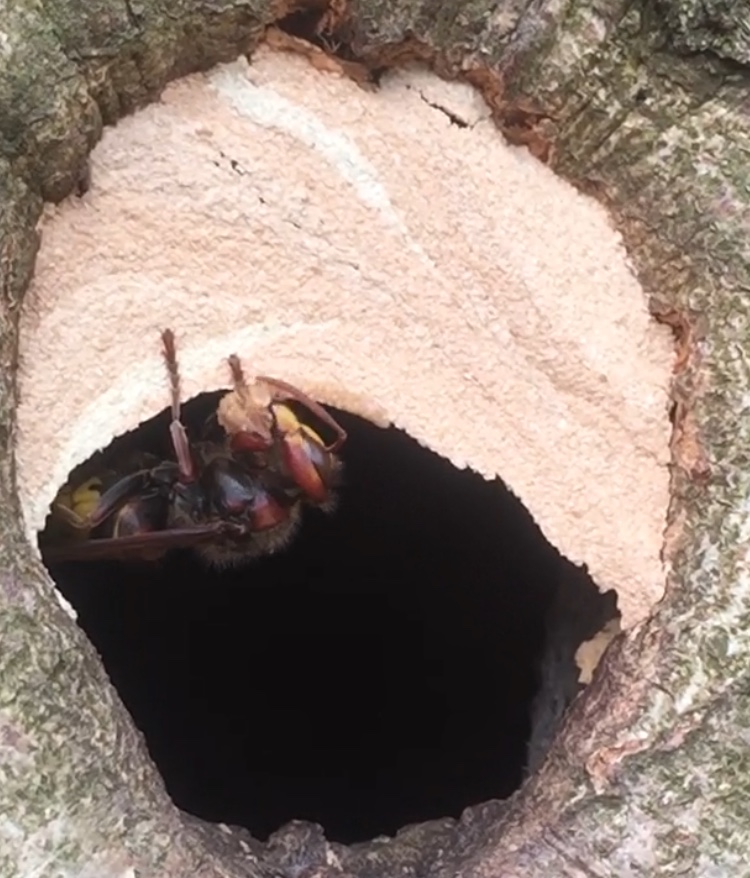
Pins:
<point x="234" y="494"/>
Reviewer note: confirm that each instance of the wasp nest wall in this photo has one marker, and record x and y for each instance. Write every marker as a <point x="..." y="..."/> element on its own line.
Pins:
<point x="386" y="251"/>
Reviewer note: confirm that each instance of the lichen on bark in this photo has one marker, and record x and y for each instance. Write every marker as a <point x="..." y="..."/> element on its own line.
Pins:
<point x="647" y="775"/>
<point x="719" y="27"/>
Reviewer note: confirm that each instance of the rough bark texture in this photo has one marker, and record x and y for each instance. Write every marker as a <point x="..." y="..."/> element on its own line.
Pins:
<point x="644" y="104"/>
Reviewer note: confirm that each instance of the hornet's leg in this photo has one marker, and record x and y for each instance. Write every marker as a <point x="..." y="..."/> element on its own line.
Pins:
<point x="280" y="391"/>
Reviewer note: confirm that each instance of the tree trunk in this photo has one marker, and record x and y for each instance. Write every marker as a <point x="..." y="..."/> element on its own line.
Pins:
<point x="642" y="104"/>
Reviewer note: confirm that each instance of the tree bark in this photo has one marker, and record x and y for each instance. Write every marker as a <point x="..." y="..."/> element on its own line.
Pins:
<point x="643" y="104"/>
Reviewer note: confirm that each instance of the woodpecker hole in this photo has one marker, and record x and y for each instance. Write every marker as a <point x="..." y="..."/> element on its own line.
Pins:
<point x="383" y="670"/>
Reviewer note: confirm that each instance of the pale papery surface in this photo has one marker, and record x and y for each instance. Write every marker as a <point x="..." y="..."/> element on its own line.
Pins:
<point x="387" y="261"/>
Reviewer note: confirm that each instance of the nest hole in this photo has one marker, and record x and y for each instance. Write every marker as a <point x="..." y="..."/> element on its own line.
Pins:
<point x="387" y="668"/>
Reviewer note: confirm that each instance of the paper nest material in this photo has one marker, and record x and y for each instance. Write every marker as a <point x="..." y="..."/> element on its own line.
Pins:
<point x="385" y="259"/>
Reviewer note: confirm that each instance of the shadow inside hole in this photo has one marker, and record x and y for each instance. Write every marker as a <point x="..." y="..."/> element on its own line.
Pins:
<point x="379" y="672"/>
